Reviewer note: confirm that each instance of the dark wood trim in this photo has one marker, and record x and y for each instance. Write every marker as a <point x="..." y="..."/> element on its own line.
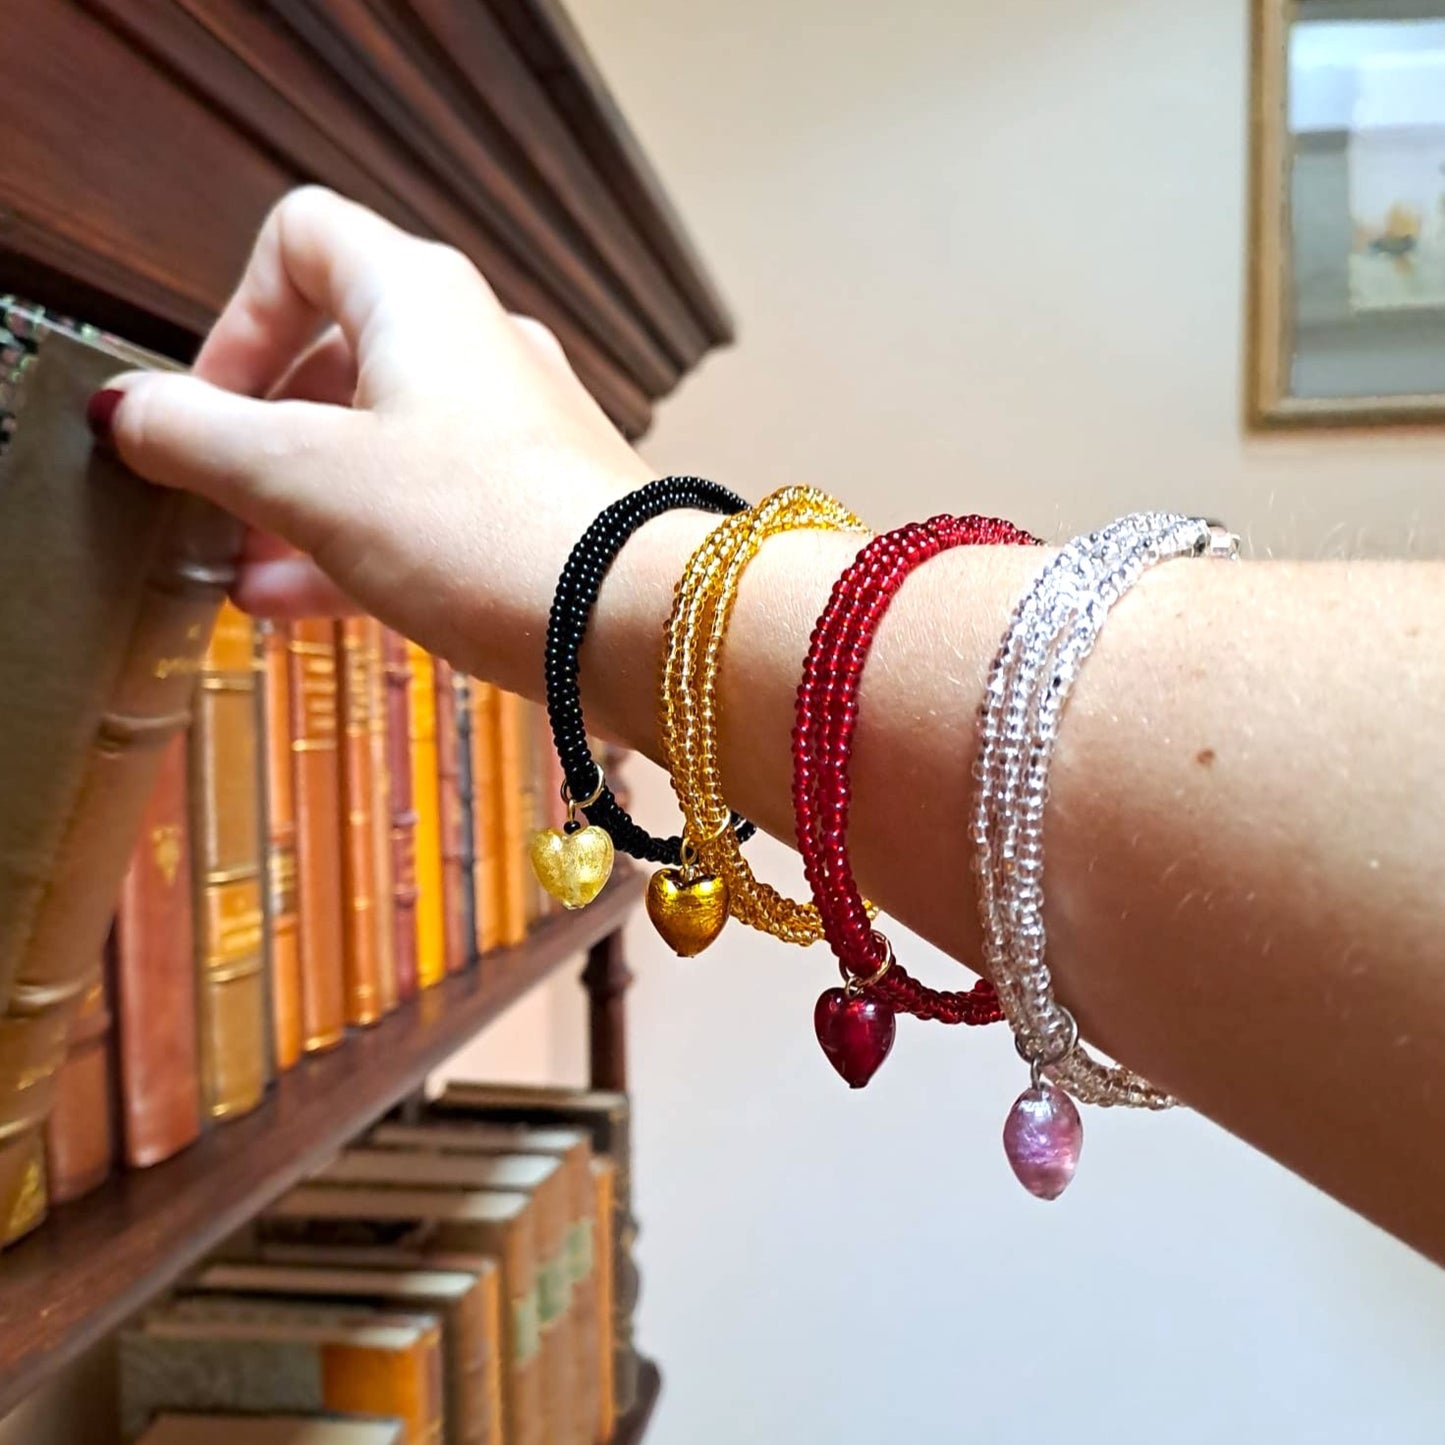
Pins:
<point x="607" y="979"/>
<point x="544" y="33"/>
<point x="633" y="1426"/>
<point x="95" y="1262"/>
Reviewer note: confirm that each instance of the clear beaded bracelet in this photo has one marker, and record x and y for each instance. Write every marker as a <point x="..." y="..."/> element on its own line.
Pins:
<point x="1053" y="630"/>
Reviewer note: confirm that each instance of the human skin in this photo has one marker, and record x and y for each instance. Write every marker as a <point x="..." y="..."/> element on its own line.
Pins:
<point x="1246" y="829"/>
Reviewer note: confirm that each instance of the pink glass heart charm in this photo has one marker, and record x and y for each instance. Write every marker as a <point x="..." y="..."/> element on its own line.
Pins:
<point x="1042" y="1137"/>
<point x="856" y="1033"/>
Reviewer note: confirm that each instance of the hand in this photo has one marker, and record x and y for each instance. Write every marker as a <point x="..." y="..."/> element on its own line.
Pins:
<point x="392" y="437"/>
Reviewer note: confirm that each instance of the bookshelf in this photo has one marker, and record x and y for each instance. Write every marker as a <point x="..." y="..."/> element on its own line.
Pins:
<point x="96" y="1261"/>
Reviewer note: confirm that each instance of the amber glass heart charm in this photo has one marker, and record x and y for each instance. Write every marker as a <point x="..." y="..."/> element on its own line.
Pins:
<point x="572" y="866"/>
<point x="687" y="909"/>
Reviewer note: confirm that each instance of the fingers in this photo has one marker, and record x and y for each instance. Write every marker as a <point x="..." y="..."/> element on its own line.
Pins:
<point x="326" y="373"/>
<point x="285" y="467"/>
<point x="289" y="587"/>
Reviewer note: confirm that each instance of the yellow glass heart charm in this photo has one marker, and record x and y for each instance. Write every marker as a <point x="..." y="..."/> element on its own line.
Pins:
<point x="573" y="867"/>
<point x="688" y="909"/>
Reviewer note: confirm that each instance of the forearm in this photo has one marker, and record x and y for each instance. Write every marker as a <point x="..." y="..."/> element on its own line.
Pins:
<point x="1244" y="837"/>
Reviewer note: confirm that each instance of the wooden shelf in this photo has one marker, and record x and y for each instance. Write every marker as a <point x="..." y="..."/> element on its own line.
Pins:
<point x="633" y="1426"/>
<point x="95" y="1262"/>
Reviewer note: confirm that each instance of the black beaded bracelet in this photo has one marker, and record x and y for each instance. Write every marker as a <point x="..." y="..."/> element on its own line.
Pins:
<point x="572" y="604"/>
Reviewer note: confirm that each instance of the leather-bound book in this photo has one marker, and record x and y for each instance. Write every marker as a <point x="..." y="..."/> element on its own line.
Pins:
<point x="214" y="1352"/>
<point x="486" y="816"/>
<point x="226" y="845"/>
<point x="543" y="1182"/>
<point x="383" y="914"/>
<point x="440" y="1224"/>
<point x="467" y="821"/>
<point x="572" y="1150"/>
<point x="270" y="1430"/>
<point x="552" y="779"/>
<point x="316" y="773"/>
<point x="455" y="882"/>
<point x="358" y="824"/>
<point x="512" y="794"/>
<point x="426" y="798"/>
<point x="155" y="978"/>
<point x="536" y="899"/>
<point x="283" y="925"/>
<point x="93" y="691"/>
<point x="606" y="1117"/>
<point x="80" y="1133"/>
<point x="465" y="1303"/>
<point x="604" y="1183"/>
<point x="397" y="671"/>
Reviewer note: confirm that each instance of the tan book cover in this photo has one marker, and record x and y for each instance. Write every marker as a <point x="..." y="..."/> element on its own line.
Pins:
<point x="80" y="1135"/>
<point x="426" y="799"/>
<point x="92" y="691"/>
<point x="604" y="1183"/>
<point x="384" y="913"/>
<point x="225" y="790"/>
<point x="461" y="1299"/>
<point x="512" y="795"/>
<point x="544" y="1182"/>
<point x="487" y="815"/>
<point x="606" y="1117"/>
<point x="572" y="1149"/>
<point x="361" y="963"/>
<point x="212" y="1352"/>
<point x="440" y="1223"/>
<point x="283" y="943"/>
<point x="270" y="1430"/>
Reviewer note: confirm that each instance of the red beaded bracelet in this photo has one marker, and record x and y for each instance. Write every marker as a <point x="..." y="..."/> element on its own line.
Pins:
<point x="855" y="1024"/>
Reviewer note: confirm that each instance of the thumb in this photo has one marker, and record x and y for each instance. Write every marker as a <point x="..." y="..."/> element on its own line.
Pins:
<point x="280" y="466"/>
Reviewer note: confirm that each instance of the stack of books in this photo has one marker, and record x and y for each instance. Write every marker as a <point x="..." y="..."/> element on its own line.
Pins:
<point x="313" y="821"/>
<point x="453" y="1280"/>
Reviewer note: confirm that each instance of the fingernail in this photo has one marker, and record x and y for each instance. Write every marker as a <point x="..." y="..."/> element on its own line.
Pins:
<point x="100" y="412"/>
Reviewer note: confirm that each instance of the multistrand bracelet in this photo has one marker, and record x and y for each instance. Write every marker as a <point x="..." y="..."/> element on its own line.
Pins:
<point x="1052" y="631"/>
<point x="701" y="611"/>
<point x="573" y="863"/>
<point x="856" y="1024"/>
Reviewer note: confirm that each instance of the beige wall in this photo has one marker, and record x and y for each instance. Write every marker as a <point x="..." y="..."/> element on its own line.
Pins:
<point x="984" y="256"/>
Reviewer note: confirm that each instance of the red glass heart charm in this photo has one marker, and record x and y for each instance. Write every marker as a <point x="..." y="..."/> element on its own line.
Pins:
<point x="856" y="1033"/>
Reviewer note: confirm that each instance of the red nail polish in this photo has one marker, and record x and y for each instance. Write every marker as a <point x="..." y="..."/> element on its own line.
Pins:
<point x="100" y="412"/>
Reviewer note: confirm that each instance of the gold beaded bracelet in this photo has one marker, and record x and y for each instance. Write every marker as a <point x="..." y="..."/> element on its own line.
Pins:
<point x="701" y="610"/>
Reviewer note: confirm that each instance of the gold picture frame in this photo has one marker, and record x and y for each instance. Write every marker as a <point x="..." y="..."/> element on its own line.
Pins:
<point x="1274" y="397"/>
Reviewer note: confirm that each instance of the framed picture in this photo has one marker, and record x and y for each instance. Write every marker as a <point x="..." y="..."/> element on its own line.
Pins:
<point x="1347" y="266"/>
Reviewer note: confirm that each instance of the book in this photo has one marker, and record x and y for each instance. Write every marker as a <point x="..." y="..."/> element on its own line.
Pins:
<point x="155" y="978"/>
<point x="317" y="779"/>
<point x="384" y="913"/>
<point x="426" y="799"/>
<point x="552" y="781"/>
<point x="511" y="802"/>
<point x="485" y="1393"/>
<point x="79" y="1134"/>
<point x="270" y="1430"/>
<point x="214" y="1352"/>
<point x="486" y="817"/>
<point x="542" y="1181"/>
<point x="283" y="924"/>
<point x="455" y="949"/>
<point x="358" y="822"/>
<point x="439" y="1223"/>
<point x="466" y="816"/>
<point x="572" y="1150"/>
<point x="397" y="671"/>
<point x="93" y="692"/>
<point x="604" y="1183"/>
<point x="466" y="1302"/>
<point x="537" y="901"/>
<point x="606" y="1117"/>
<point x="225" y="789"/>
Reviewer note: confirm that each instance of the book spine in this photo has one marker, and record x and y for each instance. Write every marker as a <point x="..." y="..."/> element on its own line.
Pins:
<point x="604" y="1177"/>
<point x="283" y="942"/>
<point x="486" y="817"/>
<point x="358" y="823"/>
<point x="92" y="704"/>
<point x="511" y="794"/>
<point x="155" y="978"/>
<point x="552" y="779"/>
<point x="449" y="785"/>
<point x="317" y="781"/>
<point x="356" y="1380"/>
<point x="426" y="796"/>
<point x="467" y="819"/>
<point x="403" y="811"/>
<point x="79" y="1135"/>
<point x="534" y="808"/>
<point x="384" y="912"/>
<point x="226" y="844"/>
